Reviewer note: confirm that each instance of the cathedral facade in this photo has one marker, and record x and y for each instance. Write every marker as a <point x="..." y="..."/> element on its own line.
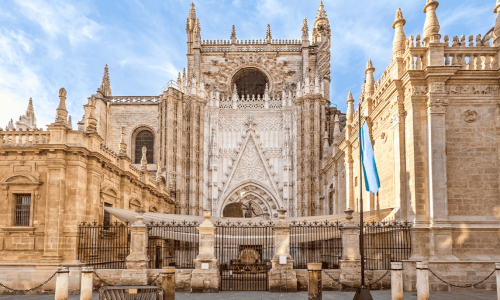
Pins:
<point x="247" y="121"/>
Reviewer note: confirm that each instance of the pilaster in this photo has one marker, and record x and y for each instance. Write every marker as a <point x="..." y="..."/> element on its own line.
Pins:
<point x="282" y="276"/>
<point x="205" y="277"/>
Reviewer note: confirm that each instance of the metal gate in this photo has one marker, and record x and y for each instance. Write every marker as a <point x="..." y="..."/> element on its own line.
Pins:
<point x="244" y="253"/>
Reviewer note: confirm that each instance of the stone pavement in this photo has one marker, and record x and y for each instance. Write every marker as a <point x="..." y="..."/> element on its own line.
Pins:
<point x="377" y="295"/>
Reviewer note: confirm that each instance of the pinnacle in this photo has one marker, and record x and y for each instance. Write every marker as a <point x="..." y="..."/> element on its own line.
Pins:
<point x="336" y="119"/>
<point x="369" y="65"/>
<point x="321" y="11"/>
<point x="350" y="97"/>
<point x="268" y="33"/>
<point x="233" y="33"/>
<point x="398" y="18"/>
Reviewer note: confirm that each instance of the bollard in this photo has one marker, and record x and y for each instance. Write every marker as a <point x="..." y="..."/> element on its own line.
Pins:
<point x="87" y="283"/>
<point x="422" y="281"/>
<point x="168" y="283"/>
<point x="397" y="280"/>
<point x="315" y="285"/>
<point x="497" y="273"/>
<point x="62" y="283"/>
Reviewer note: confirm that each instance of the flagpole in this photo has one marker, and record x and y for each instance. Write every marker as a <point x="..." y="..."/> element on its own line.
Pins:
<point x="361" y="238"/>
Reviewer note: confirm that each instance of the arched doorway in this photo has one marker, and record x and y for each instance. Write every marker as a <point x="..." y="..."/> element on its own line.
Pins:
<point x="252" y="199"/>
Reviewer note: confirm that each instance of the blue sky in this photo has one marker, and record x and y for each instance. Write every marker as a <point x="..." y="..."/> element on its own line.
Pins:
<point x="48" y="44"/>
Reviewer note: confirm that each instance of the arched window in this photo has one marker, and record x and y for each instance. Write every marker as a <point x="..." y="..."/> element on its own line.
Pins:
<point x="146" y="139"/>
<point x="250" y="81"/>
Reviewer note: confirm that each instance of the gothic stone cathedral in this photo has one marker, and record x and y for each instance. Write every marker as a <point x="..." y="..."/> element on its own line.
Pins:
<point x="231" y="129"/>
<point x="252" y="122"/>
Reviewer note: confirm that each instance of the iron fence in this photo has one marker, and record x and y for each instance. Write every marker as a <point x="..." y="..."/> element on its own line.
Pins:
<point x="244" y="253"/>
<point x="173" y="244"/>
<point x="316" y="242"/>
<point x="386" y="242"/>
<point x="103" y="246"/>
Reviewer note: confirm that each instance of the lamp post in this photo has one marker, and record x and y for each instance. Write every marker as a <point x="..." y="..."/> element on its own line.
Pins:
<point x="363" y="292"/>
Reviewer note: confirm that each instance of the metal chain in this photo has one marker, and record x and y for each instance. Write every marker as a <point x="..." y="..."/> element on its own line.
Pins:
<point x="102" y="279"/>
<point x="354" y="287"/>
<point x="154" y="279"/>
<point x="29" y="290"/>
<point x="112" y="285"/>
<point x="462" y="286"/>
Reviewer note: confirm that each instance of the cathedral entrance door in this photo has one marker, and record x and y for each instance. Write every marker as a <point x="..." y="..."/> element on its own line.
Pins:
<point x="244" y="253"/>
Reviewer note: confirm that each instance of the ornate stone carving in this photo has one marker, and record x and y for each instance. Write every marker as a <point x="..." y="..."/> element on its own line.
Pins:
<point x="470" y="116"/>
<point x="437" y="106"/>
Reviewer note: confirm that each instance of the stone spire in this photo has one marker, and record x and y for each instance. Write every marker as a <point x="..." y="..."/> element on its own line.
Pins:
<point x="496" y="30"/>
<point x="179" y="81"/>
<point x="233" y="35"/>
<point x="336" y="130"/>
<point x="370" y="80"/>
<point x="191" y="20"/>
<point x="431" y="26"/>
<point x="91" y="119"/>
<point x="123" y="144"/>
<point x="268" y="33"/>
<point x="321" y="11"/>
<point x="197" y="29"/>
<point x="350" y="108"/>
<point x="326" y="145"/>
<point x="30" y="115"/>
<point x="105" y="84"/>
<point x="305" y="30"/>
<point x="61" y="112"/>
<point x="144" y="160"/>
<point x="398" y="45"/>
<point x="10" y="126"/>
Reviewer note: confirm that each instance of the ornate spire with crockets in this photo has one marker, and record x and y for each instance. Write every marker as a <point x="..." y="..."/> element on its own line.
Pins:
<point x="233" y="35"/>
<point x="105" y="84"/>
<point x="305" y="30"/>
<point x="268" y="33"/>
<point x="321" y="11"/>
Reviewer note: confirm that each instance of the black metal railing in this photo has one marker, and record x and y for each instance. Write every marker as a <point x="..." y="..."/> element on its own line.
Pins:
<point x="103" y="246"/>
<point x="173" y="244"/>
<point x="244" y="253"/>
<point x="22" y="210"/>
<point x="386" y="242"/>
<point x="316" y="242"/>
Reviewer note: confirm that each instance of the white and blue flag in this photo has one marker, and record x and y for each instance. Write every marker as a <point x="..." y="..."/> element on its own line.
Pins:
<point x="372" y="181"/>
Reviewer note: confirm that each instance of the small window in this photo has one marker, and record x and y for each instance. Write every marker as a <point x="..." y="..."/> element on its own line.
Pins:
<point x="107" y="216"/>
<point x="22" y="210"/>
<point x="144" y="138"/>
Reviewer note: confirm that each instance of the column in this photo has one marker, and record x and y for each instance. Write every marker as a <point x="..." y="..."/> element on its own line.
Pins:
<point x="137" y="261"/>
<point x="282" y="276"/>
<point x="422" y="281"/>
<point x="205" y="276"/>
<point x="350" y="264"/>
<point x="168" y="283"/>
<point x="62" y="283"/>
<point x="315" y="288"/>
<point x="87" y="283"/>
<point x="397" y="280"/>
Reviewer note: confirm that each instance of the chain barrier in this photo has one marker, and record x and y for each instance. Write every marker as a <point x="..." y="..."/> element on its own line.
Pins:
<point x="465" y="285"/>
<point x="112" y="285"/>
<point x="154" y="279"/>
<point x="355" y="287"/>
<point x="102" y="279"/>
<point x="32" y="289"/>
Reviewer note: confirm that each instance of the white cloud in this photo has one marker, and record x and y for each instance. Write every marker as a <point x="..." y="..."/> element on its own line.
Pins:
<point x="59" y="18"/>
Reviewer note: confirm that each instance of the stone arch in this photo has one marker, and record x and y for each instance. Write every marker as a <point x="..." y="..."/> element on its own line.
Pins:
<point x="249" y="66"/>
<point x="264" y="197"/>
<point x="21" y="178"/>
<point x="133" y="153"/>
<point x="134" y="204"/>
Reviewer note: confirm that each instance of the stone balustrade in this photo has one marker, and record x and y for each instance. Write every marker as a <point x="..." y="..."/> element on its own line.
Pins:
<point x="24" y="137"/>
<point x="133" y="99"/>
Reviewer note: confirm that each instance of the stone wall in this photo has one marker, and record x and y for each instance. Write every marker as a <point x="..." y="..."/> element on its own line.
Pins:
<point x="330" y="279"/>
